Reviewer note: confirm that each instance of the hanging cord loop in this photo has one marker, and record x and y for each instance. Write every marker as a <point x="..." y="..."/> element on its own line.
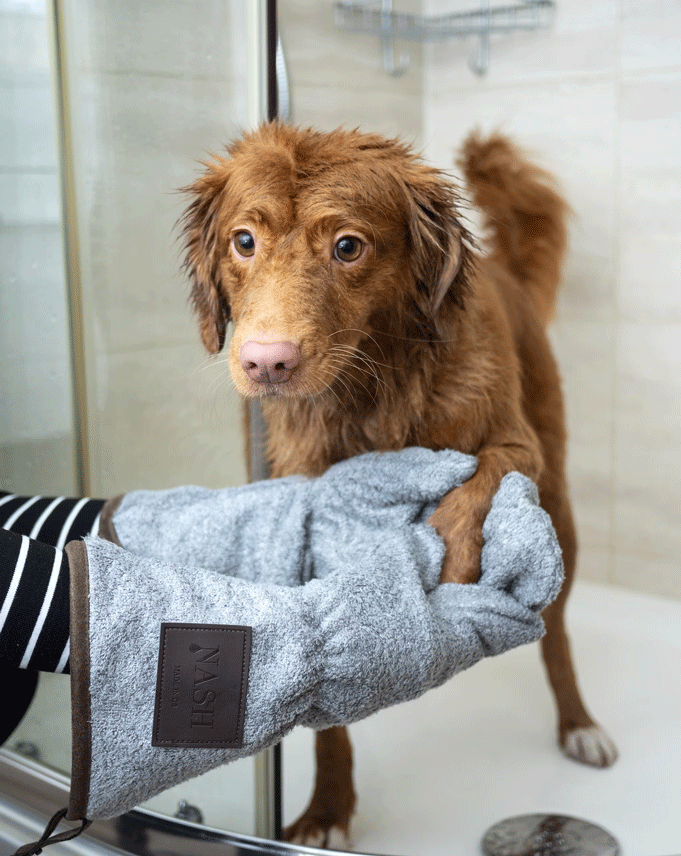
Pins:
<point x="37" y="846"/>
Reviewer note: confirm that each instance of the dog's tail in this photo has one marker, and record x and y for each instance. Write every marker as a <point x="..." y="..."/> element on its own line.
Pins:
<point x="523" y="212"/>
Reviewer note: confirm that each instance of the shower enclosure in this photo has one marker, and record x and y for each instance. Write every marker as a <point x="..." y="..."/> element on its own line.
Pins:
<point x="106" y="108"/>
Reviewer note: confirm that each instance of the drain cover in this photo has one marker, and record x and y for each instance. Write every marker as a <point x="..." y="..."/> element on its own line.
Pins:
<point x="548" y="835"/>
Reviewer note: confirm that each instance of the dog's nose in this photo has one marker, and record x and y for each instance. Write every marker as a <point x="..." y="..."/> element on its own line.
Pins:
<point x="273" y="362"/>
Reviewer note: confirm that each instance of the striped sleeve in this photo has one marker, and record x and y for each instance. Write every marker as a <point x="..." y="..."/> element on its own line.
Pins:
<point x="34" y="604"/>
<point x="51" y="520"/>
<point x="34" y="576"/>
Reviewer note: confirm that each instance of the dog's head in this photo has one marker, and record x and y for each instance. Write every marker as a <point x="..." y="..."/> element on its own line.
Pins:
<point x="309" y="241"/>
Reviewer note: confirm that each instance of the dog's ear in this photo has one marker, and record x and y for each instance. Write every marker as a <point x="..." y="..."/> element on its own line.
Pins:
<point x="200" y="230"/>
<point x="439" y="243"/>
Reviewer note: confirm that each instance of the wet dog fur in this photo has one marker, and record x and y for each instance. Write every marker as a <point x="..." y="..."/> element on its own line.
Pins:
<point x="350" y="250"/>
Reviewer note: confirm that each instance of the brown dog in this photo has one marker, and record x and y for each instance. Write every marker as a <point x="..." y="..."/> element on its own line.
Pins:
<point x="364" y="320"/>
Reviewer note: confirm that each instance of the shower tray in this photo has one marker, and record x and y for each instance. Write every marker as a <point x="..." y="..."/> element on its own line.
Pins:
<point x="30" y="794"/>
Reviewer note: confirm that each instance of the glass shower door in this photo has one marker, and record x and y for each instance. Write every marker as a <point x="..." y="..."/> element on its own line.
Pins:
<point x="152" y="89"/>
<point x="104" y="387"/>
<point x="36" y="412"/>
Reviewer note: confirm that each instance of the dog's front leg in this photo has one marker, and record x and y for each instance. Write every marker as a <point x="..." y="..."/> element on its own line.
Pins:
<point x="460" y="515"/>
<point x="326" y="821"/>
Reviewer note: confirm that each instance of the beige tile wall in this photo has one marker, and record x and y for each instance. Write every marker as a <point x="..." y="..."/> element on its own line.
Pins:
<point x="597" y="98"/>
<point x="337" y="77"/>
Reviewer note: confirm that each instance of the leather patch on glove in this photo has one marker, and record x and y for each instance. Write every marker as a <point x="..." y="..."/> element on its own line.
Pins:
<point x="201" y="686"/>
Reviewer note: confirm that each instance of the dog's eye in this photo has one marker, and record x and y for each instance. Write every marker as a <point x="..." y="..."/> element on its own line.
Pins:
<point x="244" y="244"/>
<point x="348" y="249"/>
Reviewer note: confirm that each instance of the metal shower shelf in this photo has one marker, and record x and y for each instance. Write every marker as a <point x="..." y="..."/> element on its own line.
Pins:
<point x="381" y="20"/>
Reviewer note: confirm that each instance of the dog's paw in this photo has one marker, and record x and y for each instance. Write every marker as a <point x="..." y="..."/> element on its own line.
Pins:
<point x="324" y="835"/>
<point x="590" y="745"/>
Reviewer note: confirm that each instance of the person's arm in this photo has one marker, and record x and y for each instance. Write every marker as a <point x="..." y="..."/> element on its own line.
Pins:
<point x="34" y="577"/>
<point x="51" y="520"/>
<point x="34" y="615"/>
<point x="279" y="531"/>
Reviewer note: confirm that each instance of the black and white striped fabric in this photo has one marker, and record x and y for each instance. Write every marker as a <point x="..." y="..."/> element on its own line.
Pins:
<point x="54" y="521"/>
<point x="34" y="576"/>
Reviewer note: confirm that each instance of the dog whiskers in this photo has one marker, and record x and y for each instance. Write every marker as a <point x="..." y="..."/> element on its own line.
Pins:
<point x="327" y="378"/>
<point x="347" y="387"/>
<point x="344" y="367"/>
<point x="211" y="362"/>
<point x="337" y="397"/>
<point x="426" y="341"/>
<point x="344" y="370"/>
<point x="363" y="333"/>
<point x="361" y="361"/>
<point x="355" y="350"/>
<point x="217" y="382"/>
<point x="206" y="364"/>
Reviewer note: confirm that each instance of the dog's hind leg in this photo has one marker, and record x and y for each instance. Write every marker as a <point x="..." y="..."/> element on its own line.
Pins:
<point x="326" y="820"/>
<point x="580" y="737"/>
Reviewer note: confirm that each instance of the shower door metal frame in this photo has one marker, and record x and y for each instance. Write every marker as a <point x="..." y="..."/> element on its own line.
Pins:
<point x="263" y="105"/>
<point x="70" y="234"/>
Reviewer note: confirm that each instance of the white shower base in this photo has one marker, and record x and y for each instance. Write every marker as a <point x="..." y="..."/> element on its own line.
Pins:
<point x="433" y="775"/>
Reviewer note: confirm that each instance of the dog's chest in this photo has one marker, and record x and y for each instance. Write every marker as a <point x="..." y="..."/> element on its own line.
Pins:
<point x="309" y="439"/>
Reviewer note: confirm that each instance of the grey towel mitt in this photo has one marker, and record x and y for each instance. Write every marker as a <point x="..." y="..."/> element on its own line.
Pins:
<point x="374" y="630"/>
<point x="288" y="530"/>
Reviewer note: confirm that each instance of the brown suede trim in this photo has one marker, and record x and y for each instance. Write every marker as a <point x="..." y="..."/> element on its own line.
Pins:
<point x="107" y="530"/>
<point x="81" y="728"/>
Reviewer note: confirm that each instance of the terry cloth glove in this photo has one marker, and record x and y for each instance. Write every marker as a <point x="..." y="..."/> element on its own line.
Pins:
<point x="288" y="530"/>
<point x="374" y="630"/>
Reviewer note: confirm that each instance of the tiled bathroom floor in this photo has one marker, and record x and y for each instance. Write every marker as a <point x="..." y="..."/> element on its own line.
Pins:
<point x="433" y="775"/>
